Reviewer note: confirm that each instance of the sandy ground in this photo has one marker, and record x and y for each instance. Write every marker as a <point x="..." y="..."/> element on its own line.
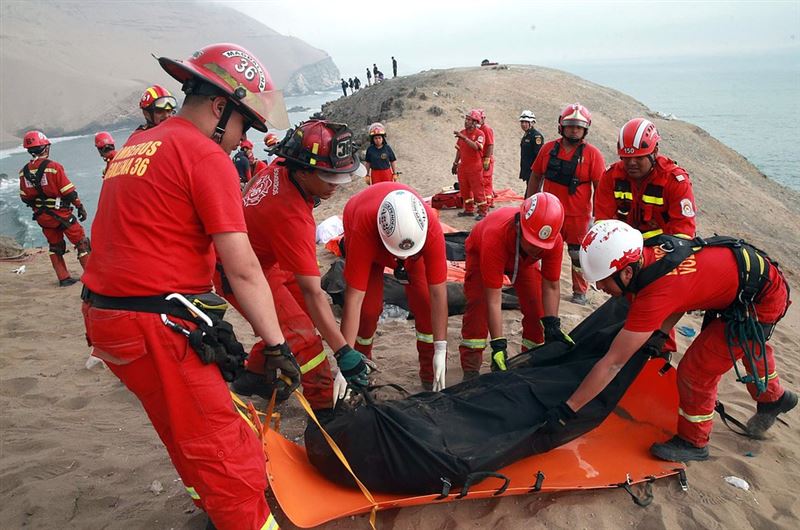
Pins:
<point x="77" y="451"/>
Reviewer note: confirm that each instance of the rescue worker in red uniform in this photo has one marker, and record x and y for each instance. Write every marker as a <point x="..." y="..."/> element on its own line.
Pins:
<point x="468" y="165"/>
<point x="646" y="190"/>
<point x="570" y="168"/>
<point x="157" y="104"/>
<point x="488" y="160"/>
<point x="256" y="165"/>
<point x="613" y="255"/>
<point x="169" y="206"/>
<point x="402" y="239"/>
<point x="44" y="186"/>
<point x="315" y="159"/>
<point x="104" y="143"/>
<point x="379" y="159"/>
<point x="270" y="141"/>
<point x="511" y="241"/>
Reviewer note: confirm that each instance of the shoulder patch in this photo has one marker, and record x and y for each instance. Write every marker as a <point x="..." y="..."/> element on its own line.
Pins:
<point x="539" y="140"/>
<point x="686" y="208"/>
<point x="680" y="177"/>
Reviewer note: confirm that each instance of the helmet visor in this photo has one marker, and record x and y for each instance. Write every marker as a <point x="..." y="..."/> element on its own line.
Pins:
<point x="266" y="109"/>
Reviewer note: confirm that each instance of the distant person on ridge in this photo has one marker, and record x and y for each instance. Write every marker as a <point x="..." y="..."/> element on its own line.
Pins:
<point x="369" y="77"/>
<point x="530" y="144"/>
<point x="170" y="205"/>
<point x="357" y="82"/>
<point x="315" y="160"/>
<point x="344" y="87"/>
<point x="380" y="159"/>
<point x="512" y="241"/>
<point x="570" y="168"/>
<point x="661" y="286"/>
<point x="350" y="84"/>
<point x="394" y="67"/>
<point x="375" y="71"/>
<point x="104" y="143"/>
<point x="157" y="104"/>
<point x="488" y="160"/>
<point x="45" y="188"/>
<point x="468" y="166"/>
<point x="646" y="190"/>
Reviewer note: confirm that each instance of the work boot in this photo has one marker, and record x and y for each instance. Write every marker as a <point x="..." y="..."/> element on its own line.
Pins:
<point x="427" y="386"/>
<point x="470" y="374"/>
<point x="676" y="449"/>
<point x="66" y="282"/>
<point x="579" y="298"/>
<point x="767" y="413"/>
<point x="480" y="217"/>
<point x="465" y="213"/>
<point x="251" y="383"/>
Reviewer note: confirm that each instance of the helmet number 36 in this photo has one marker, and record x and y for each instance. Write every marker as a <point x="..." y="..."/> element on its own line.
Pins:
<point x="244" y="67"/>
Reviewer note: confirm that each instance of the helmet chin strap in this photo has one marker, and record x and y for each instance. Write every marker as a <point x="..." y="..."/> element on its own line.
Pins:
<point x="219" y="130"/>
<point x="617" y="277"/>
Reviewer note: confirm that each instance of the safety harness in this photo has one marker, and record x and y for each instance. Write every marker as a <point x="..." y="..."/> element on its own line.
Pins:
<point x="43" y="204"/>
<point x="563" y="171"/>
<point x="742" y="328"/>
<point x="213" y="339"/>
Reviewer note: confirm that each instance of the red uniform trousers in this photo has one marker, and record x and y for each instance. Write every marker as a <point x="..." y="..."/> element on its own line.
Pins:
<point x="708" y="358"/>
<point x="573" y="231"/>
<point x="217" y="455"/>
<point x="488" y="183"/>
<point x="54" y="232"/>
<point x="419" y="302"/>
<point x="470" y="184"/>
<point x="475" y="323"/>
<point x="381" y="175"/>
<point x="300" y="334"/>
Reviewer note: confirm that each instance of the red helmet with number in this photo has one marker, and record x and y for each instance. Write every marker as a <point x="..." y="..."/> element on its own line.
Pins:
<point x="237" y="74"/>
<point x="541" y="217"/>
<point x="323" y="145"/>
<point x="33" y="139"/>
<point x="577" y="115"/>
<point x="157" y="97"/>
<point x="103" y="139"/>
<point x="638" y="137"/>
<point x="271" y="139"/>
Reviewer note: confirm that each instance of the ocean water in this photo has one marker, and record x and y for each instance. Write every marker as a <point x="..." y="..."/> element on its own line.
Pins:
<point x="747" y="102"/>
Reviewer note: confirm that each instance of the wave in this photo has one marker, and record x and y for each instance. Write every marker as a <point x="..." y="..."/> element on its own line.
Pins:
<point x="5" y="153"/>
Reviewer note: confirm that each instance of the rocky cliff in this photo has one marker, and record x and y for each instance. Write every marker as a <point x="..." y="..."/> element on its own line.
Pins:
<point x="70" y="67"/>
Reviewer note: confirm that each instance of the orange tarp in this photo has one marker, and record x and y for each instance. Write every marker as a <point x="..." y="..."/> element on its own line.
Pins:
<point x="616" y="452"/>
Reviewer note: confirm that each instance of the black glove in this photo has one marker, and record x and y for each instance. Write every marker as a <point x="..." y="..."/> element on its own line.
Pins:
<point x="655" y="345"/>
<point x="553" y="333"/>
<point x="499" y="354"/>
<point x="557" y="417"/>
<point x="454" y="169"/>
<point x="81" y="213"/>
<point x="279" y="357"/>
<point x="351" y="364"/>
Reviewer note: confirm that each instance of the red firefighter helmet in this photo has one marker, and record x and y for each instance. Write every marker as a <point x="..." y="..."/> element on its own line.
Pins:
<point x="157" y="97"/>
<point x="541" y="218"/>
<point x="103" y="139"/>
<point x="236" y="73"/>
<point x="246" y="144"/>
<point x="638" y="137"/>
<point x="577" y="115"/>
<point x="474" y="114"/>
<point x="271" y="139"/>
<point x="323" y="145"/>
<point x="34" y="139"/>
<point x="377" y="129"/>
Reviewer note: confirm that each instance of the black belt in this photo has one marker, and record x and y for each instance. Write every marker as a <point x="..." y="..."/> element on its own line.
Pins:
<point x="142" y="304"/>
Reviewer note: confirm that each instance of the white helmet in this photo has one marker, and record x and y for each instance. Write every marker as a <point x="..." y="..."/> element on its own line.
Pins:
<point x="402" y="223"/>
<point x="608" y="247"/>
<point x="527" y="115"/>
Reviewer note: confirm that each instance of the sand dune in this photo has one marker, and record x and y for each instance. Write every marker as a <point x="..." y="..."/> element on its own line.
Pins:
<point x="78" y="452"/>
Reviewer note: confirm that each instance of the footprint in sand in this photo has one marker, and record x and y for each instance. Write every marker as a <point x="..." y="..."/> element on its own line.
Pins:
<point x="74" y="403"/>
<point x="17" y="386"/>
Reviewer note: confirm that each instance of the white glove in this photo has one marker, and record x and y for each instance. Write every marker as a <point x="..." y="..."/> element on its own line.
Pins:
<point x="439" y="364"/>
<point x="339" y="387"/>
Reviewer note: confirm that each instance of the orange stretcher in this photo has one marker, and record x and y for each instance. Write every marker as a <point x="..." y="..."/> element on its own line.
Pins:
<point x="615" y="455"/>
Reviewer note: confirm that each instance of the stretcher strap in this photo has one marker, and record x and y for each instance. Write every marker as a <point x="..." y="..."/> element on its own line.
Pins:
<point x="340" y="456"/>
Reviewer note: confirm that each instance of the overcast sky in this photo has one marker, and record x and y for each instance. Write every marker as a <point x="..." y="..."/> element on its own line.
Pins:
<point x="426" y="34"/>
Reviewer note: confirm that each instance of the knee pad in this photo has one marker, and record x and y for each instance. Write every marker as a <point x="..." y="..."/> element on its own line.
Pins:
<point x="574" y="255"/>
<point x="59" y="249"/>
<point x="83" y="247"/>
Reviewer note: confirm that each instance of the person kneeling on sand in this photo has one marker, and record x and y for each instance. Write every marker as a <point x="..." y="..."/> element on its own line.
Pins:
<point x="667" y="281"/>
<point x="402" y="239"/>
<point x="512" y="241"/>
